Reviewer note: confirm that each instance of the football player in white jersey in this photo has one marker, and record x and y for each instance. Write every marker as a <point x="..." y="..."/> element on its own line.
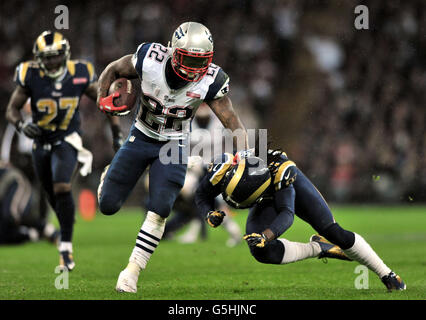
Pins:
<point x="175" y="80"/>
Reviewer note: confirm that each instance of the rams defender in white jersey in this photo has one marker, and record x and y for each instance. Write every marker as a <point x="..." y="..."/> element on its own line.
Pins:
<point x="175" y="81"/>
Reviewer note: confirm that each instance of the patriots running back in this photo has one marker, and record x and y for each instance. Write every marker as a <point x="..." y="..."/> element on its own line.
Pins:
<point x="55" y="84"/>
<point x="175" y="80"/>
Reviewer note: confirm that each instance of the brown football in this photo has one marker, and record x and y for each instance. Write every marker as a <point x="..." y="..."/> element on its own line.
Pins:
<point x="128" y="90"/>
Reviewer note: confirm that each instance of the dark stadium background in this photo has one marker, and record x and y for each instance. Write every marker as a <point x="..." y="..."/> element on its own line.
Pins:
<point x="347" y="105"/>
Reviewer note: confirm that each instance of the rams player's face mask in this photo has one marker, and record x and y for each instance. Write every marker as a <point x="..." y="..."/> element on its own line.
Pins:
<point x="53" y="64"/>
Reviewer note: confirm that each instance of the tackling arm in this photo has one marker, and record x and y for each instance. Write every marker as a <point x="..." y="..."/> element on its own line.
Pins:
<point x="223" y="109"/>
<point x="204" y="200"/>
<point x="284" y="202"/>
<point x="204" y="196"/>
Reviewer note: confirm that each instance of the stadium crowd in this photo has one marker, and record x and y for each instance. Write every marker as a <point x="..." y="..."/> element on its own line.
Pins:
<point x="347" y="105"/>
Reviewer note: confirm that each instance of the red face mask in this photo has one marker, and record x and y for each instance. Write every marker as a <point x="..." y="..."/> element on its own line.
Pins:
<point x="191" y="66"/>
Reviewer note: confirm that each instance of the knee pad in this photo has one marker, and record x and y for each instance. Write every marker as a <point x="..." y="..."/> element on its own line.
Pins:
<point x="272" y="253"/>
<point x="339" y="236"/>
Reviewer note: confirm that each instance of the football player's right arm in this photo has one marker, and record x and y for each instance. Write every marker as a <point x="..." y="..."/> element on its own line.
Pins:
<point x="16" y="102"/>
<point x="19" y="96"/>
<point x="204" y="200"/>
<point x="121" y="68"/>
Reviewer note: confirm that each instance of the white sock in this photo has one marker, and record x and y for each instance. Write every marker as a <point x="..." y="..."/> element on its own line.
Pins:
<point x="296" y="251"/>
<point x="364" y="254"/>
<point x="148" y="239"/>
<point x="65" y="246"/>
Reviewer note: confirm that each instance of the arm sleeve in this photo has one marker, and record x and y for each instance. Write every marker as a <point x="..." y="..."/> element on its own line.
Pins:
<point x="209" y="187"/>
<point x="139" y="56"/>
<point x="284" y="203"/>
<point x="205" y="196"/>
<point x="220" y="87"/>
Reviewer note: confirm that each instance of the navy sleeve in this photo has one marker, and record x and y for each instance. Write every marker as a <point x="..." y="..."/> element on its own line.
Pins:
<point x="210" y="186"/>
<point x="219" y="87"/>
<point x="139" y="56"/>
<point x="284" y="203"/>
<point x="205" y="196"/>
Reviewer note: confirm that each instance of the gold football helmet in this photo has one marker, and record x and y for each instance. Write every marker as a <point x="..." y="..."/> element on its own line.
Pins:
<point x="52" y="51"/>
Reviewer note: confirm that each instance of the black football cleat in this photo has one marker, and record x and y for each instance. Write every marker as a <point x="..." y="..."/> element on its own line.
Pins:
<point x="393" y="282"/>
<point x="329" y="250"/>
<point x="66" y="261"/>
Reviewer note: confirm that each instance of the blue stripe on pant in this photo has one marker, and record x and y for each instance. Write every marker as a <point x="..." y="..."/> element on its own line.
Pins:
<point x="131" y="160"/>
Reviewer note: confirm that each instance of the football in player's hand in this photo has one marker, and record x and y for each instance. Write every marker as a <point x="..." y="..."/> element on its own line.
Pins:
<point x="128" y="91"/>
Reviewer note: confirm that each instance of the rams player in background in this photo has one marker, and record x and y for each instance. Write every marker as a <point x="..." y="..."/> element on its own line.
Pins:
<point x="55" y="84"/>
<point x="174" y="81"/>
<point x="276" y="190"/>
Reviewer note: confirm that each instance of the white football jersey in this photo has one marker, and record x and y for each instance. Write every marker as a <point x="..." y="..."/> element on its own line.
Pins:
<point x="164" y="113"/>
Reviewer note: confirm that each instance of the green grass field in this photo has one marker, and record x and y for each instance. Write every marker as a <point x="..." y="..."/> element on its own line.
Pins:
<point x="209" y="270"/>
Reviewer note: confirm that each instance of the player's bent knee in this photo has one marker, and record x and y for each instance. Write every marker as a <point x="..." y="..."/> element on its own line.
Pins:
<point x="339" y="236"/>
<point x="108" y="206"/>
<point x="269" y="254"/>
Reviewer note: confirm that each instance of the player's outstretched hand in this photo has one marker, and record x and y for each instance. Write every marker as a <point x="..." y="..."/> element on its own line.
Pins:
<point x="255" y="240"/>
<point x="31" y="130"/>
<point x="106" y="104"/>
<point x="215" y="218"/>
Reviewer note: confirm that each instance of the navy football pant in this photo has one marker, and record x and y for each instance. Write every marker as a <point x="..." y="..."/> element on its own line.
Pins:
<point x="131" y="160"/>
<point x="311" y="207"/>
<point x="55" y="163"/>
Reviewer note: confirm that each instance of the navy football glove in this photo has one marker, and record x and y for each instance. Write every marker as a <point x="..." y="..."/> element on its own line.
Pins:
<point x="215" y="218"/>
<point x="255" y="240"/>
